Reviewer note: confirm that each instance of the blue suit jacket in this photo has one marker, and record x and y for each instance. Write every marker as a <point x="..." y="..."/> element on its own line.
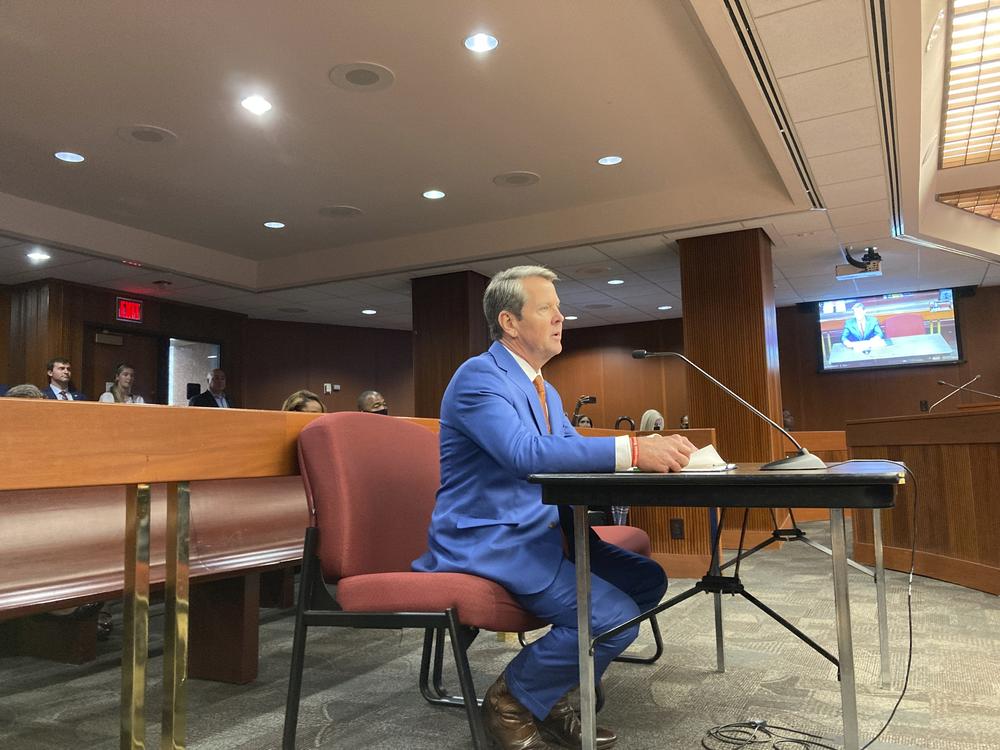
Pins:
<point x="489" y="520"/>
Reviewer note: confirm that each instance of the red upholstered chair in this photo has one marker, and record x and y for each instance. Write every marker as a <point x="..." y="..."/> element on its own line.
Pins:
<point x="370" y="482"/>
<point x="905" y="324"/>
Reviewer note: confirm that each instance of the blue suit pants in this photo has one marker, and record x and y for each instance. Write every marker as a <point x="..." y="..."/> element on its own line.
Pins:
<point x="623" y="584"/>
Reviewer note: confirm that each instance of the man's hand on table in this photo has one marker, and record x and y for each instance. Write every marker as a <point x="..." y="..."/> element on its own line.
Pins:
<point x="663" y="453"/>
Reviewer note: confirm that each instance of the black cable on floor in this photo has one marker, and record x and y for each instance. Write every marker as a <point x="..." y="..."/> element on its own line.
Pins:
<point x="760" y="734"/>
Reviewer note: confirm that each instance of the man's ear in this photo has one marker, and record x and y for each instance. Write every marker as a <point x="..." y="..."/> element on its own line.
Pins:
<point x="506" y="320"/>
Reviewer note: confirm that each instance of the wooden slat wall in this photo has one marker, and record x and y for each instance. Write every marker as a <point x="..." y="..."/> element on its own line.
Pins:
<point x="598" y="361"/>
<point x="5" y="336"/>
<point x="956" y="459"/>
<point x="448" y="328"/>
<point x="730" y="331"/>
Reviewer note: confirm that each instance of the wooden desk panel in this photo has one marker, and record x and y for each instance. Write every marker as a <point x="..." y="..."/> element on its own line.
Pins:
<point x="956" y="459"/>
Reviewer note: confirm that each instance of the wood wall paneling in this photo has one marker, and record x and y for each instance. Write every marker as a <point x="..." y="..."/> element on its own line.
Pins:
<point x="448" y="328"/>
<point x="598" y="361"/>
<point x="285" y="357"/>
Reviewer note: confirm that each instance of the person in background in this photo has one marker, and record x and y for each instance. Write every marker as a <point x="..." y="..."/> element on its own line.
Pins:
<point x="501" y="422"/>
<point x="584" y="421"/>
<point x="651" y="421"/>
<point x="216" y="393"/>
<point x="59" y="387"/>
<point x="373" y="402"/>
<point x="304" y="401"/>
<point x="787" y="420"/>
<point x="121" y="389"/>
<point x="27" y="390"/>
<point x="861" y="333"/>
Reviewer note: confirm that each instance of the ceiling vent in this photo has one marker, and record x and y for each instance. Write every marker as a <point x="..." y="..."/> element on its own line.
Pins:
<point x="340" y="212"/>
<point x="146" y="134"/>
<point x="516" y="179"/>
<point x="362" y="76"/>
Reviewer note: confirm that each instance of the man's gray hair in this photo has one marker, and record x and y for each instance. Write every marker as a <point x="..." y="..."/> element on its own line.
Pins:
<point x="506" y="293"/>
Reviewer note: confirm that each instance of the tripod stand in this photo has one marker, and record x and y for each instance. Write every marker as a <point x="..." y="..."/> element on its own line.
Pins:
<point x="717" y="584"/>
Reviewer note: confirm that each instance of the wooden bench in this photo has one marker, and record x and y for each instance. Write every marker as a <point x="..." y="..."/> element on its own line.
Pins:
<point x="65" y="547"/>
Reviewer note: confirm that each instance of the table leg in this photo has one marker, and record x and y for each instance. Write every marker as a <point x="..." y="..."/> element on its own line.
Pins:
<point x="588" y="699"/>
<point x="176" y="600"/>
<point x="845" y="649"/>
<point x="135" y="626"/>
<point x="883" y="623"/>
<point x="720" y="651"/>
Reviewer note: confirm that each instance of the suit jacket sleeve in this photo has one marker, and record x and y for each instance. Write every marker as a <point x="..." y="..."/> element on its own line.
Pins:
<point x="486" y="407"/>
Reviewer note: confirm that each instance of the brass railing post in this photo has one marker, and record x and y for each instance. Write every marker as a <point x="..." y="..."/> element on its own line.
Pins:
<point x="136" y="617"/>
<point x="176" y="600"/>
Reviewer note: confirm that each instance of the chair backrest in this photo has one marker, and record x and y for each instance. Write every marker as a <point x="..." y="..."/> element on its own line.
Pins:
<point x="905" y="324"/>
<point x="371" y="482"/>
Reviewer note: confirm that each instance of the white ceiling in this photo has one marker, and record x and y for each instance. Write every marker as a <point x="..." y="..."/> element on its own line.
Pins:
<point x="664" y="83"/>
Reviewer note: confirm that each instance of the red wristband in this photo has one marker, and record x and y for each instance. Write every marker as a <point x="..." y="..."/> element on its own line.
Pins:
<point x="634" y="443"/>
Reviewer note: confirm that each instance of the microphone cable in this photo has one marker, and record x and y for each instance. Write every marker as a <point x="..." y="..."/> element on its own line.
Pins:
<point x="760" y="734"/>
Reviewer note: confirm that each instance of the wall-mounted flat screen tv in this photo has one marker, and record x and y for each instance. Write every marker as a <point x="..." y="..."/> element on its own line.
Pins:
<point x="889" y="330"/>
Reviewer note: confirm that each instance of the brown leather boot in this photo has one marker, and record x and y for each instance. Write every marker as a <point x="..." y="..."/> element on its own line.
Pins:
<point x="509" y="725"/>
<point x="562" y="728"/>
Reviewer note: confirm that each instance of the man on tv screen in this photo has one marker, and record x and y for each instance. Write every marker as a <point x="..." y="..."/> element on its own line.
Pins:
<point x="862" y="333"/>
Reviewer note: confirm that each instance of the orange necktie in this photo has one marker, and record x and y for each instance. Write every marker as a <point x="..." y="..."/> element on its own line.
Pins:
<point x="540" y="387"/>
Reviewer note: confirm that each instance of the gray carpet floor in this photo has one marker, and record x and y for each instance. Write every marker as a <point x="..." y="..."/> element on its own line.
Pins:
<point x="360" y="688"/>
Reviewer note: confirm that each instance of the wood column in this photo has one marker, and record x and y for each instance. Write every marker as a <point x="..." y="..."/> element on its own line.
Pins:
<point x="448" y="328"/>
<point x="730" y="330"/>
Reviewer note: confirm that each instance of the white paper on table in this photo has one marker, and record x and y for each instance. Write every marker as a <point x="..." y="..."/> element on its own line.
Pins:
<point x="707" y="459"/>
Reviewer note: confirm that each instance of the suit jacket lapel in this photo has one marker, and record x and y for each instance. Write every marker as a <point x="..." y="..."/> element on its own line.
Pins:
<point x="517" y="376"/>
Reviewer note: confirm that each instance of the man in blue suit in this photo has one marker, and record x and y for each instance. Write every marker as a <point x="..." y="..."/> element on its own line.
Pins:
<point x="501" y="422"/>
<point x="59" y="388"/>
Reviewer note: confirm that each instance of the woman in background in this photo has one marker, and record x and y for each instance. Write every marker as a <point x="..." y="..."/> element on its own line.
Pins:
<point x="304" y="401"/>
<point x="121" y="390"/>
<point x="651" y="420"/>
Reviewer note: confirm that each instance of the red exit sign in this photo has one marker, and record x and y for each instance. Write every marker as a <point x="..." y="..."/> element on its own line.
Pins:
<point x="129" y="309"/>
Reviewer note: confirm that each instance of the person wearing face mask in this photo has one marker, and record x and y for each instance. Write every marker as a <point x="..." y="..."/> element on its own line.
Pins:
<point x="372" y="402"/>
<point x="121" y="390"/>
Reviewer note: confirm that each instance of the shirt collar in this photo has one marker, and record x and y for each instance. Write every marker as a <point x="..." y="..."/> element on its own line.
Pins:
<point x="530" y="371"/>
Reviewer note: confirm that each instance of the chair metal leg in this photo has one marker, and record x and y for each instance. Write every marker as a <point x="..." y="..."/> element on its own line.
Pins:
<point x="432" y="684"/>
<point x="309" y="573"/>
<point x="460" y="642"/>
<point x="657" y="640"/>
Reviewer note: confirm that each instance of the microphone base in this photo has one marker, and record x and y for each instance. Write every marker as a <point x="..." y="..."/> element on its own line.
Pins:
<point x="800" y="461"/>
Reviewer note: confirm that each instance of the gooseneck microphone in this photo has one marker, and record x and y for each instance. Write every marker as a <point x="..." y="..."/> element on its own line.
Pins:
<point x="957" y="389"/>
<point x="801" y="460"/>
<point x="970" y="390"/>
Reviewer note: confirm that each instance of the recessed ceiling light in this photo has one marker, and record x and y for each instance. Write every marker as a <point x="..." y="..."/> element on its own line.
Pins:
<point x="665" y="307"/>
<point x="70" y="157"/>
<point x="38" y="256"/>
<point x="570" y="317"/>
<point x="609" y="161"/>
<point x="481" y="42"/>
<point x="256" y="104"/>
<point x="133" y="263"/>
<point x="368" y="312"/>
<point x="274" y="224"/>
<point x="163" y="283"/>
<point x="146" y="134"/>
<point x="616" y="282"/>
<point x="434" y="195"/>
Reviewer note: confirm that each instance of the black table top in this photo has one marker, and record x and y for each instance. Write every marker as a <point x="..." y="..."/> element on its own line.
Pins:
<point x="849" y="484"/>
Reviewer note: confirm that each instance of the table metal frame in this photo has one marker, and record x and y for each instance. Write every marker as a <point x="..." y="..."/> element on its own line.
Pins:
<point x="862" y="485"/>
